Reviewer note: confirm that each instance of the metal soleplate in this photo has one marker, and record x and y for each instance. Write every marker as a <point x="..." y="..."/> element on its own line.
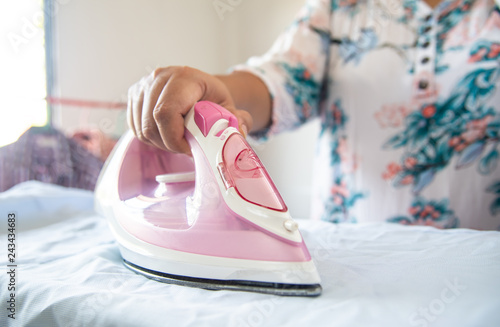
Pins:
<point x="231" y="285"/>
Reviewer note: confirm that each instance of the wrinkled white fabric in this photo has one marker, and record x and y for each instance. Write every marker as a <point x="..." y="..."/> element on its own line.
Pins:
<point x="70" y="274"/>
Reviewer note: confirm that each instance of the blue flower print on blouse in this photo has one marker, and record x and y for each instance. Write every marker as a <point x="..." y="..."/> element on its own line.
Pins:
<point x="461" y="126"/>
<point x="338" y="203"/>
<point x="304" y="89"/>
<point x="347" y="5"/>
<point x="495" y="205"/>
<point x="342" y="195"/>
<point x="350" y="50"/>
<point x="452" y="14"/>
<point x="410" y="7"/>
<point x="428" y="213"/>
<point x="485" y="50"/>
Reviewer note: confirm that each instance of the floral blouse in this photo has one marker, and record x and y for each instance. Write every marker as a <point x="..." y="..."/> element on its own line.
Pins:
<point x="409" y="105"/>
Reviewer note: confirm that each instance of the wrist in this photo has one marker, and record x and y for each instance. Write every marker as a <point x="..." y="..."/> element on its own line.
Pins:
<point x="249" y="93"/>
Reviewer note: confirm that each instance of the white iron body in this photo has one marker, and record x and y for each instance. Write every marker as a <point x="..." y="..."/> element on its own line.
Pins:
<point x="217" y="223"/>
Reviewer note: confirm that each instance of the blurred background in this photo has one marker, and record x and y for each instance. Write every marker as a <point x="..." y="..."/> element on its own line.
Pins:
<point x="70" y="63"/>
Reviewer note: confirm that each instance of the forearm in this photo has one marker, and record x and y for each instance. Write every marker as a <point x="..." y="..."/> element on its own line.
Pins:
<point x="251" y="94"/>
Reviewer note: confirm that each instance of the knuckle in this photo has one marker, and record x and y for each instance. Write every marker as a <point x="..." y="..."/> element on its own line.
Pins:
<point x="140" y="136"/>
<point x="158" y="72"/>
<point x="184" y="71"/>
<point x="149" y="131"/>
<point x="131" y="91"/>
<point x="135" y="90"/>
<point x="172" y="145"/>
<point x="159" y="113"/>
<point x="163" y="71"/>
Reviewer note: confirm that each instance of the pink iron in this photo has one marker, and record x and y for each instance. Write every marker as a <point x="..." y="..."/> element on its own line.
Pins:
<point x="214" y="221"/>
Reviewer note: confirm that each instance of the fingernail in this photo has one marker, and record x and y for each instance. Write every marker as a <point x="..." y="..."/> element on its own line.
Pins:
<point x="244" y="130"/>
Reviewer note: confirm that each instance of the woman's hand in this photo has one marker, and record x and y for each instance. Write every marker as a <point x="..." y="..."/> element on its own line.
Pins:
<point x="158" y="103"/>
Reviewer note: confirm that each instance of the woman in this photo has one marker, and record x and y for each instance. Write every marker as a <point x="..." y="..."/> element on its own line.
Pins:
<point x="407" y="93"/>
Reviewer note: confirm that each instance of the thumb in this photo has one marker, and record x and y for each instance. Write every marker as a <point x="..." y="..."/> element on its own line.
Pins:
<point x="245" y="121"/>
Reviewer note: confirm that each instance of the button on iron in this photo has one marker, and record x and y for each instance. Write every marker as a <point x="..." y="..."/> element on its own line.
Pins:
<point x="291" y="225"/>
<point x="425" y="60"/>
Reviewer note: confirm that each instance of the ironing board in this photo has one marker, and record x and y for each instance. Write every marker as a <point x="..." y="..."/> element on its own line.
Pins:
<point x="69" y="273"/>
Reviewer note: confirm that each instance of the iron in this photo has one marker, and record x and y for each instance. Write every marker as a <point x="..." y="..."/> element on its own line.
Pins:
<point x="214" y="220"/>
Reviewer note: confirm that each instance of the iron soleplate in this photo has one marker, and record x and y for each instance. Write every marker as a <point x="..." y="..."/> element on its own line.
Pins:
<point x="309" y="290"/>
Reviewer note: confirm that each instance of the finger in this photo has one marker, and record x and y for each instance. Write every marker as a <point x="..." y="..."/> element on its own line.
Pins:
<point x="137" y="113"/>
<point x="149" y="126"/>
<point x="130" y="119"/>
<point x="219" y="93"/>
<point x="174" y="102"/>
<point x="245" y="121"/>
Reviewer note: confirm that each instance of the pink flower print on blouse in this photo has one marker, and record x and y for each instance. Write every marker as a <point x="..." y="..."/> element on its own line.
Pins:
<point x="425" y="212"/>
<point x="484" y="50"/>
<point x="392" y="115"/>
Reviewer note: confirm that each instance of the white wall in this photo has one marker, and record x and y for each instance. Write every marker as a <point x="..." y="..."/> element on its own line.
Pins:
<point x="288" y="157"/>
<point x="104" y="46"/>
